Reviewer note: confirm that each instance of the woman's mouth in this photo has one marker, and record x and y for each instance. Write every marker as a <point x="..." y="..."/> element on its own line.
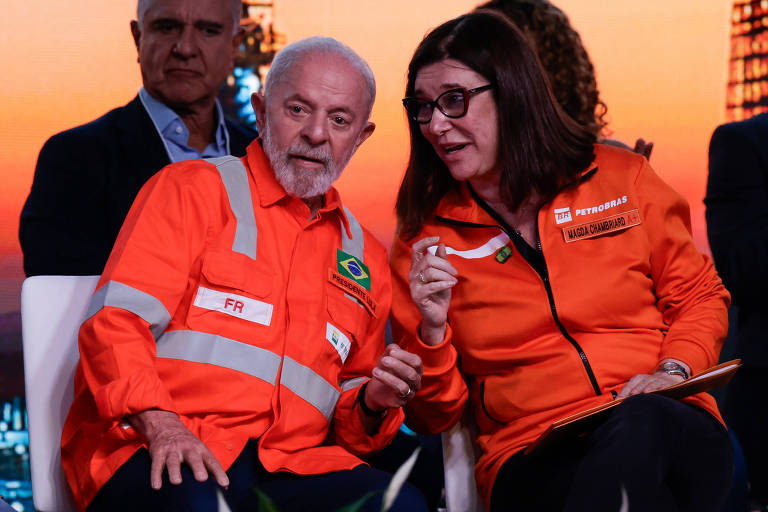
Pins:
<point x="454" y="148"/>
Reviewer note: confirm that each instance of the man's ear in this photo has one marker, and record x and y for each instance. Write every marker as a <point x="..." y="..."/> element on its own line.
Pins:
<point x="365" y="133"/>
<point x="136" y="33"/>
<point x="260" y="108"/>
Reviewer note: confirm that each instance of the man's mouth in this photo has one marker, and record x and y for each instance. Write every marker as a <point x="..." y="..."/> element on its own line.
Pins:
<point x="183" y="72"/>
<point x="308" y="159"/>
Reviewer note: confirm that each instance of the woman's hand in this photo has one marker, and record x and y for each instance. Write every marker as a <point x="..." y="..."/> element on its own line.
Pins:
<point x="644" y="148"/>
<point x="646" y="383"/>
<point x="431" y="278"/>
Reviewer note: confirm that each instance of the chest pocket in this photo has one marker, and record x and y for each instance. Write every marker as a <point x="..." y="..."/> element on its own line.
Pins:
<point x="235" y="285"/>
<point x="347" y="321"/>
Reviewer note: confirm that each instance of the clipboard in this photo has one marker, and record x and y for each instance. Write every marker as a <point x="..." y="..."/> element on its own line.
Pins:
<point x="585" y="421"/>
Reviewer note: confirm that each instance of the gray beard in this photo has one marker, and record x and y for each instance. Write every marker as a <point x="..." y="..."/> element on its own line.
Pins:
<point x="299" y="182"/>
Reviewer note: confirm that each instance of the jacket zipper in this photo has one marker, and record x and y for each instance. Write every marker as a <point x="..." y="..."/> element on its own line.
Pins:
<point x="545" y="278"/>
<point x="543" y="273"/>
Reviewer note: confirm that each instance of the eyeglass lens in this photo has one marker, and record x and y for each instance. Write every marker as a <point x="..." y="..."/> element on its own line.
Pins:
<point x="451" y="103"/>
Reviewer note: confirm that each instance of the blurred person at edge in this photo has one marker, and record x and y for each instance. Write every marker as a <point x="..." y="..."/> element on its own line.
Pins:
<point x="87" y="177"/>
<point x="538" y="274"/>
<point x="236" y="337"/>
<point x="566" y="63"/>
<point x="737" y="228"/>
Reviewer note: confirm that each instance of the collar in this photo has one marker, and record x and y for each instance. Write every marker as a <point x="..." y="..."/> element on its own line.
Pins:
<point x="270" y="191"/>
<point x="170" y="126"/>
<point x="459" y="204"/>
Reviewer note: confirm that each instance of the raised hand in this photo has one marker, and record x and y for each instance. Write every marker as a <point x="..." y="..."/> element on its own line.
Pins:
<point x="431" y="278"/>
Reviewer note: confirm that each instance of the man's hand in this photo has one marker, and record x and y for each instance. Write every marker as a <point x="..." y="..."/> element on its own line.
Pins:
<point x="170" y="444"/>
<point x="396" y="378"/>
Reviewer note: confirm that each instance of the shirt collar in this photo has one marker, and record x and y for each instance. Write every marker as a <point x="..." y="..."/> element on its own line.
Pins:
<point x="271" y="192"/>
<point x="170" y="125"/>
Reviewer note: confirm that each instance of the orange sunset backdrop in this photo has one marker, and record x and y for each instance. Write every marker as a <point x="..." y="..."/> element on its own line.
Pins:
<point x="661" y="68"/>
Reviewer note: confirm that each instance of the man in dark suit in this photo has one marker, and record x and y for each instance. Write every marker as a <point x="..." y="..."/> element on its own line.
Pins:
<point x="87" y="178"/>
<point x="737" y="226"/>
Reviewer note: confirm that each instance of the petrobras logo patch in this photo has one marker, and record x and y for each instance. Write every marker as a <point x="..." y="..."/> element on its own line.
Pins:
<point x="338" y="340"/>
<point x="563" y="215"/>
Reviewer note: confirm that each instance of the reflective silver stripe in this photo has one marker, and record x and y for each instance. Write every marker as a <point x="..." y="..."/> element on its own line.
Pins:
<point x="355" y="245"/>
<point x="310" y="386"/>
<point x="348" y="384"/>
<point x="200" y="347"/>
<point x="235" y="178"/>
<point x="141" y="304"/>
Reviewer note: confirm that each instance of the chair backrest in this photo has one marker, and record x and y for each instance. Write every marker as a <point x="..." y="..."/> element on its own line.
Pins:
<point x="52" y="309"/>
<point x="460" y="453"/>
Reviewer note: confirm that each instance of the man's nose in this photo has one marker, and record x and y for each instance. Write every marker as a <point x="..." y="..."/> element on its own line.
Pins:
<point x="186" y="44"/>
<point x="315" y="130"/>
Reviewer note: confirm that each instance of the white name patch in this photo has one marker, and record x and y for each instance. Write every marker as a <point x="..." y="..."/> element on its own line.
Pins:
<point x="234" y="305"/>
<point x="339" y="341"/>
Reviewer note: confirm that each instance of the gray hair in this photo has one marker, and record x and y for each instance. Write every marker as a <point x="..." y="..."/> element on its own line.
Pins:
<point x="286" y="57"/>
<point x="235" y="5"/>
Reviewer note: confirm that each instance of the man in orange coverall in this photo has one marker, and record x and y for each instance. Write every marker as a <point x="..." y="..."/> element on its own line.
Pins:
<point x="235" y="339"/>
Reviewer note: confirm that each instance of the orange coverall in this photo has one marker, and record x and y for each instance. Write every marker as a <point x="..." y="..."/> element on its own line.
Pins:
<point x="224" y="303"/>
<point x="624" y="288"/>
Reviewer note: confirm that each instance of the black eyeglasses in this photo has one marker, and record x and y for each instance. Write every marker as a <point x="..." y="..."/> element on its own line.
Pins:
<point x="452" y="103"/>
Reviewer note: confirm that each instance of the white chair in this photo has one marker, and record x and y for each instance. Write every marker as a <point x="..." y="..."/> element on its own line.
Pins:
<point x="52" y="309"/>
<point x="460" y="454"/>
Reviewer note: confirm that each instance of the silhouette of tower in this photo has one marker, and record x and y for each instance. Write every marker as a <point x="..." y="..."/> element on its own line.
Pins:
<point x="748" y="68"/>
<point x="252" y="61"/>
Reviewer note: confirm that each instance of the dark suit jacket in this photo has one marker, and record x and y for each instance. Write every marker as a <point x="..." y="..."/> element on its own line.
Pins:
<point x="737" y="226"/>
<point x="85" y="182"/>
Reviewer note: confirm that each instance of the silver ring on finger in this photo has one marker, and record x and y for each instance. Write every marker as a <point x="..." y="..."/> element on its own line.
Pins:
<point x="407" y="395"/>
<point x="421" y="278"/>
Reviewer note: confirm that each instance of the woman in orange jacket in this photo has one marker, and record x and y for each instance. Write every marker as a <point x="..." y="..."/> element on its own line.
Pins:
<point x="538" y="274"/>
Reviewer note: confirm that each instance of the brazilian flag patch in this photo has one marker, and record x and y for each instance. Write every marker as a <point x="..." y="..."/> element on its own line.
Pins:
<point x="353" y="268"/>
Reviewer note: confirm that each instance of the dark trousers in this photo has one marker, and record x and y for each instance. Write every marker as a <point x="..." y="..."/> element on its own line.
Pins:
<point x="129" y="489"/>
<point x="746" y="413"/>
<point x="428" y="473"/>
<point x="652" y="454"/>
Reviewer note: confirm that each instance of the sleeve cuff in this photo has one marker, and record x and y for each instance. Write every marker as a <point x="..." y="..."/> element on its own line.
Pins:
<point x="440" y="356"/>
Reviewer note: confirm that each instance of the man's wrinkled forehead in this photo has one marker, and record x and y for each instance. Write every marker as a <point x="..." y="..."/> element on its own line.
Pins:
<point x="191" y="11"/>
<point x="331" y="76"/>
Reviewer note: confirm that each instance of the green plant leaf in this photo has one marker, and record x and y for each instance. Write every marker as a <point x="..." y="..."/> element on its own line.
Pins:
<point x="357" y="505"/>
<point x="398" y="480"/>
<point x="264" y="503"/>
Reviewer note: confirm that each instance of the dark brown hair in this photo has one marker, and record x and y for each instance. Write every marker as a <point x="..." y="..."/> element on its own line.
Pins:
<point x="563" y="57"/>
<point x="540" y="147"/>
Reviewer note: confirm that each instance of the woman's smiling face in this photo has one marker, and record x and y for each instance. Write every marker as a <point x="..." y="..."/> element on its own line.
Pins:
<point x="468" y="145"/>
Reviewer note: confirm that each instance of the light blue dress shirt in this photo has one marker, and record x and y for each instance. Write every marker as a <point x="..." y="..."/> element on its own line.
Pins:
<point x="174" y="133"/>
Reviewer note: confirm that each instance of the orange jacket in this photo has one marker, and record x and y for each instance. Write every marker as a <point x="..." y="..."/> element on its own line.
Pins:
<point x="223" y="303"/>
<point x="625" y="288"/>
